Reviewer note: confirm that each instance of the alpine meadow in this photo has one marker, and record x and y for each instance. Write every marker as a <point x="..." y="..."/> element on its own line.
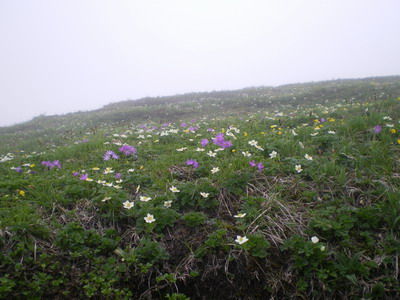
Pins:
<point x="287" y="192"/>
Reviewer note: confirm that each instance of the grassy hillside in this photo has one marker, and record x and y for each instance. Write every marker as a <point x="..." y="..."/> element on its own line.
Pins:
<point x="288" y="192"/>
<point x="45" y="131"/>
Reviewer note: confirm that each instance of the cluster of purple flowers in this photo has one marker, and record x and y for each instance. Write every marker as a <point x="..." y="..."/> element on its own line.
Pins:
<point x="193" y="128"/>
<point x="192" y="162"/>
<point x="220" y="141"/>
<point x="127" y="150"/>
<point x="259" y="166"/>
<point x="52" y="164"/>
<point x="110" y="155"/>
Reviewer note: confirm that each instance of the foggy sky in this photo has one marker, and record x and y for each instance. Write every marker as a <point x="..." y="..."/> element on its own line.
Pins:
<point x="62" y="56"/>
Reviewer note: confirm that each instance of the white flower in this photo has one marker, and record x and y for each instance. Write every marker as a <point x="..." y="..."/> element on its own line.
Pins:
<point x="211" y="154"/>
<point x="314" y="239"/>
<point x="131" y="170"/>
<point x="273" y="154"/>
<point x="149" y="218"/>
<point x="259" y="147"/>
<point x="168" y="203"/>
<point x="127" y="204"/>
<point x="294" y="132"/>
<point x="200" y="149"/>
<point x="246" y="153"/>
<point x="253" y="143"/>
<point x="214" y="170"/>
<point x="106" y="199"/>
<point x="144" y="198"/>
<point x="301" y="144"/>
<point x="322" y="248"/>
<point x="298" y="168"/>
<point x="204" y="195"/>
<point x="240" y="215"/>
<point x="314" y="134"/>
<point x="308" y="157"/>
<point x="241" y="239"/>
<point x="174" y="189"/>
<point x="181" y="149"/>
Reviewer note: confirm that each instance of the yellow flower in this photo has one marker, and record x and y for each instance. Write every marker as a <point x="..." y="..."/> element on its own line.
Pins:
<point x="141" y="167"/>
<point x="233" y="150"/>
<point x="273" y="126"/>
<point x="331" y="120"/>
<point x="393" y="130"/>
<point x="22" y="193"/>
<point x="245" y="133"/>
<point x="398" y="141"/>
<point x="32" y="165"/>
<point x="279" y="132"/>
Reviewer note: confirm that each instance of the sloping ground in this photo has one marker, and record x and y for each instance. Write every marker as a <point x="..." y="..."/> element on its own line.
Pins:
<point x="301" y="202"/>
<point x="61" y="129"/>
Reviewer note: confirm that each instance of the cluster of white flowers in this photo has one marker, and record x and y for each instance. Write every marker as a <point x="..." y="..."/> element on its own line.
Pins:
<point x="254" y="143"/>
<point x="7" y="157"/>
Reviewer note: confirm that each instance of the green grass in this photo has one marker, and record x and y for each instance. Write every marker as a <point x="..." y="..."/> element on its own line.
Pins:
<point x="62" y="237"/>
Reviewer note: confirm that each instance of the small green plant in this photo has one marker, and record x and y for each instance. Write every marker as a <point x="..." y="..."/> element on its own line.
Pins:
<point x="194" y="219"/>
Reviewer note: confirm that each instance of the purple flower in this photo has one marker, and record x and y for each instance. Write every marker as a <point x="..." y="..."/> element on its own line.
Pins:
<point x="193" y="128"/>
<point x="322" y="120"/>
<point x="204" y="142"/>
<point x="84" y="177"/>
<point x="252" y="163"/>
<point x="75" y="174"/>
<point x="51" y="165"/>
<point x="210" y="130"/>
<point x="377" y="129"/>
<point x="220" y="141"/>
<point x="183" y="124"/>
<point x="57" y="164"/>
<point x="127" y="150"/>
<point x="18" y="169"/>
<point x="260" y="166"/>
<point x="110" y="154"/>
<point x="118" y="176"/>
<point x="192" y="162"/>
